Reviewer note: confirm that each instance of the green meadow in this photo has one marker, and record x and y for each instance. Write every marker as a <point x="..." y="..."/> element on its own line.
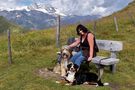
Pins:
<point x="34" y="50"/>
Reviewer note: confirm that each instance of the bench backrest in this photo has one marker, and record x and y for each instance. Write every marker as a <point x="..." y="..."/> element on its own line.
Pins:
<point x="109" y="45"/>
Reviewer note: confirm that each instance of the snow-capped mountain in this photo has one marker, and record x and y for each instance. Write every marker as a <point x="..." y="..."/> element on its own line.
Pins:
<point x="44" y="8"/>
<point x="34" y="19"/>
<point x="42" y="14"/>
<point x="29" y="19"/>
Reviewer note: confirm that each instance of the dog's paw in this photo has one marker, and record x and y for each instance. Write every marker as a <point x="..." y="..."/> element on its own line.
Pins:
<point x="85" y="83"/>
<point x="106" y="84"/>
<point x="67" y="84"/>
<point x="57" y="82"/>
<point x="97" y="85"/>
<point x="57" y="72"/>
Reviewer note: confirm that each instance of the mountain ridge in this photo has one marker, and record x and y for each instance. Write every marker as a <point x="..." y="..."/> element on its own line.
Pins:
<point x="34" y="19"/>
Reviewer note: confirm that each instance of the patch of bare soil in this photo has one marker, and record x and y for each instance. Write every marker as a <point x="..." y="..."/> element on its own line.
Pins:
<point x="47" y="74"/>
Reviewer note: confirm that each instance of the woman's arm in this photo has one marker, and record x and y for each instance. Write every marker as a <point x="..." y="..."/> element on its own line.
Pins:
<point x="91" y="44"/>
<point x="75" y="43"/>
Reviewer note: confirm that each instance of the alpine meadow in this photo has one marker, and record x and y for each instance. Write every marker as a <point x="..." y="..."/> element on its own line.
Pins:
<point x="36" y="49"/>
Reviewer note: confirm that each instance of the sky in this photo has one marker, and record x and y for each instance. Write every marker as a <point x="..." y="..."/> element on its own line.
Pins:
<point x="72" y="7"/>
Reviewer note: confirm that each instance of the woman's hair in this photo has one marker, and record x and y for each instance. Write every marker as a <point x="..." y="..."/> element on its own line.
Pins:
<point x="82" y="28"/>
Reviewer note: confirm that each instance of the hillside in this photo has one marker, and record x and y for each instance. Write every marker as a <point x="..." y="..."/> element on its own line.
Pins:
<point x="36" y="49"/>
<point x="5" y="25"/>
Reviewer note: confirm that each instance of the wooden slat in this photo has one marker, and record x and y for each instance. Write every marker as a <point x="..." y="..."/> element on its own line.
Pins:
<point x="109" y="45"/>
<point x="104" y="60"/>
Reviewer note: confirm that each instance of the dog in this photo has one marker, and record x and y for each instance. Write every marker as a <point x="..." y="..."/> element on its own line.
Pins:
<point x="65" y="55"/>
<point x="69" y="77"/>
<point x="71" y="71"/>
<point x="75" y="76"/>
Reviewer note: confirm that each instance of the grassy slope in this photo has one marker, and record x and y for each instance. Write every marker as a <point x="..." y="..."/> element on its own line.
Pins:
<point x="36" y="49"/>
<point x="5" y="25"/>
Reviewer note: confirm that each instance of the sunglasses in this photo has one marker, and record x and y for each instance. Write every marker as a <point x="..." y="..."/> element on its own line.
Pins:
<point x="80" y="30"/>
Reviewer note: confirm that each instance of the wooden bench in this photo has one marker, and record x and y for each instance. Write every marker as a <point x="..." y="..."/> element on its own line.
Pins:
<point x="113" y="47"/>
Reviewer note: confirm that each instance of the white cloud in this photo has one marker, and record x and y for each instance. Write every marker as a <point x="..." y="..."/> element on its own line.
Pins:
<point x="74" y="7"/>
<point x="88" y="7"/>
<point x="7" y="4"/>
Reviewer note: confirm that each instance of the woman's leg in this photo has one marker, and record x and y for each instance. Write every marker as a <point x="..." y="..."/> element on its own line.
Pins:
<point x="79" y="60"/>
<point x="73" y="58"/>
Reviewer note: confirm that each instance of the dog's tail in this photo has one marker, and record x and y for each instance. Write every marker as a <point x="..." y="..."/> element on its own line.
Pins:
<point x="99" y="83"/>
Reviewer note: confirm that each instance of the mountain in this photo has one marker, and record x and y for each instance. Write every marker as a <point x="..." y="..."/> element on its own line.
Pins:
<point x="34" y="19"/>
<point x="76" y="19"/>
<point x="39" y="15"/>
<point x="30" y="19"/>
<point x="7" y="25"/>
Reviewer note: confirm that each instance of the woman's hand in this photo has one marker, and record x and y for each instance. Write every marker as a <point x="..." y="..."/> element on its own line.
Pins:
<point x="68" y="47"/>
<point x="89" y="59"/>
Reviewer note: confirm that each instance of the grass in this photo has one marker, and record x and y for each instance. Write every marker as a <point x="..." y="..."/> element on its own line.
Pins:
<point x="37" y="49"/>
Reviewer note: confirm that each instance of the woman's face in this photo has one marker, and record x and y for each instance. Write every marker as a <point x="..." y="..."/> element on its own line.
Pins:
<point x="81" y="32"/>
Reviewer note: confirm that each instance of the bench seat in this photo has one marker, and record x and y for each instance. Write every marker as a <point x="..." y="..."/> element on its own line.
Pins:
<point x="104" y="60"/>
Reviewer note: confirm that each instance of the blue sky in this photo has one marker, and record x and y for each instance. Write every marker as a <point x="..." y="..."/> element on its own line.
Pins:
<point x="25" y="2"/>
<point x="73" y="7"/>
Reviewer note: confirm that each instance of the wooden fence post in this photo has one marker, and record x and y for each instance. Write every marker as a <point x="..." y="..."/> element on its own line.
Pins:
<point x="116" y="24"/>
<point x="9" y="48"/>
<point x="58" y="32"/>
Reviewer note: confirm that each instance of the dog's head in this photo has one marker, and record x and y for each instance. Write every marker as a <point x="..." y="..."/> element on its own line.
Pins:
<point x="71" y="71"/>
<point x="72" y="67"/>
<point x="66" y="52"/>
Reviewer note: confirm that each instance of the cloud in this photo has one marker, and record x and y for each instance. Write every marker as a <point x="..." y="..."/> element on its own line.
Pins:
<point x="7" y="4"/>
<point x="89" y="7"/>
<point x="74" y="7"/>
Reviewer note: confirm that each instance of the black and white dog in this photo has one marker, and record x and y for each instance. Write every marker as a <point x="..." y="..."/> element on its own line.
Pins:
<point x="77" y="77"/>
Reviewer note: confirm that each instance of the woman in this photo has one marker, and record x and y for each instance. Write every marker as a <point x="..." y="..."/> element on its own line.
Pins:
<point x="87" y="42"/>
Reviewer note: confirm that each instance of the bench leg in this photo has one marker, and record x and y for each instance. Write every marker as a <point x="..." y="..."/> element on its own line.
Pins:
<point x="113" y="68"/>
<point x="100" y="71"/>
